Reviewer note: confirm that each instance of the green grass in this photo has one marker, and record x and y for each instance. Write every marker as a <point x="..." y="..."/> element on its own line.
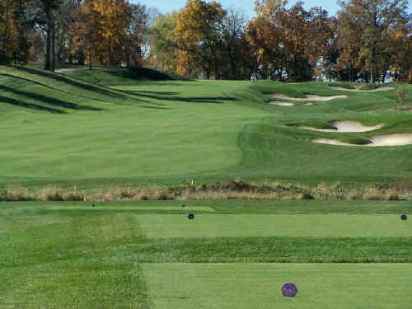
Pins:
<point x="210" y="226"/>
<point x="99" y="128"/>
<point x="105" y="129"/>
<point x="127" y="254"/>
<point x="243" y="286"/>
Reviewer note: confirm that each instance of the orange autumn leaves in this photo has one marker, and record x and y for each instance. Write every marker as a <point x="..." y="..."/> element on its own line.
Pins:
<point x="102" y="30"/>
<point x="196" y="35"/>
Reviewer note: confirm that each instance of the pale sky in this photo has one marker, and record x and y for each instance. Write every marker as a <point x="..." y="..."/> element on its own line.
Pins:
<point x="245" y="5"/>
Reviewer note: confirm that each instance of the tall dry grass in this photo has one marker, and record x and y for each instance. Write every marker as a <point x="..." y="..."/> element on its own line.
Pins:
<point x="217" y="191"/>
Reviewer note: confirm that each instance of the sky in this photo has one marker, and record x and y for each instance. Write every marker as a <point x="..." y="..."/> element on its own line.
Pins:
<point x="245" y="5"/>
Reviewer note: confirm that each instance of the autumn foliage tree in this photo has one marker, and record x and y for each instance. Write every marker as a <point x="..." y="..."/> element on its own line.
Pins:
<point x="366" y="40"/>
<point x="109" y="32"/>
<point x="289" y="41"/>
<point x="14" y="31"/>
<point x="198" y="38"/>
<point x="370" y="34"/>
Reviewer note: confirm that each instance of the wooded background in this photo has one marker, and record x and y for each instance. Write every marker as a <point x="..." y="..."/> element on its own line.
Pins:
<point x="366" y="40"/>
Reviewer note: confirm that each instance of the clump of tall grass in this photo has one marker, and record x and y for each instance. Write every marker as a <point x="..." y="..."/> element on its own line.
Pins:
<point x="216" y="191"/>
<point x="56" y="194"/>
<point x="15" y="194"/>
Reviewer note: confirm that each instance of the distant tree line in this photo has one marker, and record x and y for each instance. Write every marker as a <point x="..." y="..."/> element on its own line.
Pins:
<point x="106" y="32"/>
<point x="366" y="40"/>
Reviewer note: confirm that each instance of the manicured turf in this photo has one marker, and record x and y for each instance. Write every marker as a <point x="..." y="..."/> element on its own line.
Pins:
<point x="74" y="254"/>
<point x="324" y="226"/>
<point x="94" y="129"/>
<point x="244" y="286"/>
<point x="101" y="128"/>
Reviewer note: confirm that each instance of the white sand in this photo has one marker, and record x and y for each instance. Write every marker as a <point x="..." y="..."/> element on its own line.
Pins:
<point x="309" y="98"/>
<point x="390" y="140"/>
<point x="347" y="127"/>
<point x="333" y="142"/>
<point x="288" y="104"/>
<point x="381" y="89"/>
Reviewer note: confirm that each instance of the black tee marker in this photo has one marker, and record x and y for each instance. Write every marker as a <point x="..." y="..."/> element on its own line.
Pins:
<point x="404" y="217"/>
<point x="191" y="216"/>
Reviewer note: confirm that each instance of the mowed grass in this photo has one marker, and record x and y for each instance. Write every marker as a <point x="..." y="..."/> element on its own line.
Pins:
<point x="69" y="255"/>
<point x="92" y="129"/>
<point x="130" y="137"/>
<point x="244" y="286"/>
<point x="321" y="226"/>
<point x="99" y="128"/>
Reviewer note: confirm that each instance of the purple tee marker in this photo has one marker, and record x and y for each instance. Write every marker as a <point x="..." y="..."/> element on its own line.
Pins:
<point x="289" y="290"/>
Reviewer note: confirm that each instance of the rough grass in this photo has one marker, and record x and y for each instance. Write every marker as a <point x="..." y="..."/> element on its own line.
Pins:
<point x="238" y="190"/>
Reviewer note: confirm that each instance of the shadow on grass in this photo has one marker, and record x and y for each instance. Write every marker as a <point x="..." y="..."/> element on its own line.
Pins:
<point x="142" y="73"/>
<point x="27" y="80"/>
<point x="117" y="94"/>
<point x="163" y="96"/>
<point x="155" y="107"/>
<point x="20" y="103"/>
<point x="49" y="100"/>
<point x="49" y="87"/>
<point x="75" y="83"/>
<point x="159" y="93"/>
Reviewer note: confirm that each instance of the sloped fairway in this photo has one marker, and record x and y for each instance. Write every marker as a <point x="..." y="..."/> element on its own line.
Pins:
<point x="67" y="255"/>
<point x="103" y="128"/>
<point x="170" y="132"/>
<point x="245" y="286"/>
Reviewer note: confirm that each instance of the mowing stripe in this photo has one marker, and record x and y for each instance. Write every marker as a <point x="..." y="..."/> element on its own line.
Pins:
<point x="245" y="286"/>
<point x="318" y="226"/>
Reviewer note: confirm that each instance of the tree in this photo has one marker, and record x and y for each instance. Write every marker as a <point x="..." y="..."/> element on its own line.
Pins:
<point x="365" y="32"/>
<point x="110" y="32"/>
<point x="164" y="50"/>
<point x="136" y="31"/>
<point x="198" y="38"/>
<point x="64" y="17"/>
<point x="7" y="33"/>
<point x="289" y="41"/>
<point x="46" y="17"/>
<point x="84" y="34"/>
<point x="14" y="31"/>
<point x="232" y="35"/>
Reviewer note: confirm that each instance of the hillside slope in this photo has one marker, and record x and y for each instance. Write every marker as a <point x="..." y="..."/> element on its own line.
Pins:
<point x="68" y="129"/>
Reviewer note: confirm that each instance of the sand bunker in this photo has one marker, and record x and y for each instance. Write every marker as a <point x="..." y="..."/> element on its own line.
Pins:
<point x="347" y="127"/>
<point x="390" y="140"/>
<point x="381" y="89"/>
<point x="309" y="98"/>
<point x="332" y="142"/>
<point x="288" y="104"/>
